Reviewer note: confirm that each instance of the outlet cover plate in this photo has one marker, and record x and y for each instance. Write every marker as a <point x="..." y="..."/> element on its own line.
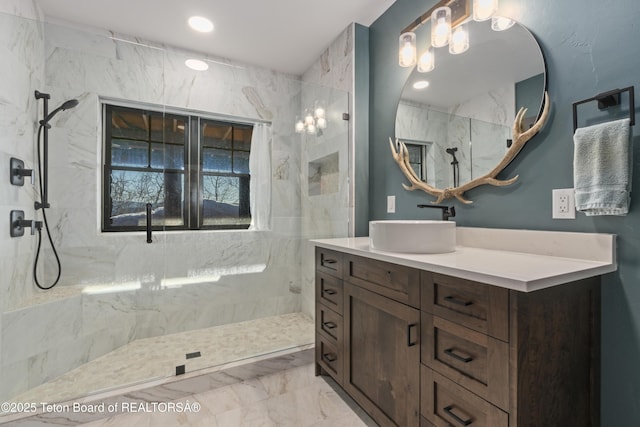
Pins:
<point x="563" y="204"/>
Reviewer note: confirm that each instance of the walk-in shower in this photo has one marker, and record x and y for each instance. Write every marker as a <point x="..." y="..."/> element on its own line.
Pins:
<point x="124" y="312"/>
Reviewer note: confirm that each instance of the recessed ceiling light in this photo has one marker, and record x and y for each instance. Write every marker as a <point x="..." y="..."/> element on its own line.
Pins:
<point x="200" y="23"/>
<point x="196" y="64"/>
<point x="421" y="84"/>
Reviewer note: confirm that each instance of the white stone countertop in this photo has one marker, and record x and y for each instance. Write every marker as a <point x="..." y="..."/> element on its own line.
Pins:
<point x="522" y="260"/>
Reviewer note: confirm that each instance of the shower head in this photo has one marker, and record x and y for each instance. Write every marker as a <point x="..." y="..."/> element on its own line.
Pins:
<point x="65" y="106"/>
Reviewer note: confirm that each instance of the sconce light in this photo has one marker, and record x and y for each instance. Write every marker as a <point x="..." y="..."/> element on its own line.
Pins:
<point x="459" y="40"/>
<point x="313" y="120"/>
<point x="407" y="49"/>
<point x="484" y="9"/>
<point x="448" y="20"/>
<point x="440" y="26"/>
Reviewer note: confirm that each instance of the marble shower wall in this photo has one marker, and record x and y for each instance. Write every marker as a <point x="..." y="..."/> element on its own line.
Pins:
<point x="115" y="288"/>
<point x="325" y="157"/>
<point x="484" y="121"/>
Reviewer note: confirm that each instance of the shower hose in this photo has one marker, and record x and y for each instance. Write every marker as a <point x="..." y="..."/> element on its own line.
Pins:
<point x="46" y="226"/>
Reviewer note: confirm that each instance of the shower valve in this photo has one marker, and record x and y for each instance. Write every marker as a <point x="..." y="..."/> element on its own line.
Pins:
<point x="18" y="172"/>
<point x="18" y="224"/>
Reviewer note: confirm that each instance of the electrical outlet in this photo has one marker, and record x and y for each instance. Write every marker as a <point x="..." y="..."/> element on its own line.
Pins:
<point x="563" y="204"/>
<point x="391" y="204"/>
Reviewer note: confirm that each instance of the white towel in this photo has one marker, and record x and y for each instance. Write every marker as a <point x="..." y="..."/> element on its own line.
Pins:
<point x="601" y="168"/>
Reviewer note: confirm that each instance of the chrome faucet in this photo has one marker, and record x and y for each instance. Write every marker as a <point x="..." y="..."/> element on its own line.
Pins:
<point x="447" y="211"/>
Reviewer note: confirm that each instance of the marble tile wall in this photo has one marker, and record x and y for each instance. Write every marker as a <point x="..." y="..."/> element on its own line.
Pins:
<point x="484" y="120"/>
<point x="21" y="73"/>
<point x="116" y="288"/>
<point x="325" y="213"/>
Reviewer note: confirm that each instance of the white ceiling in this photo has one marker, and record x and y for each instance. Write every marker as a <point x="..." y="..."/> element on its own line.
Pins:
<point x="282" y="35"/>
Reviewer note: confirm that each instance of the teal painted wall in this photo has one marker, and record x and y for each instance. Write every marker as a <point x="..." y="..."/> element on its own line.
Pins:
<point x="590" y="47"/>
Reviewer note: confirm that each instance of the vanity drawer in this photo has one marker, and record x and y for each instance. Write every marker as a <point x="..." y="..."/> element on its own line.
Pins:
<point x="329" y="262"/>
<point x="329" y="291"/>
<point x="475" y="361"/>
<point x="391" y="280"/>
<point x="329" y="357"/>
<point x="329" y="323"/>
<point x="478" y="306"/>
<point x="445" y="404"/>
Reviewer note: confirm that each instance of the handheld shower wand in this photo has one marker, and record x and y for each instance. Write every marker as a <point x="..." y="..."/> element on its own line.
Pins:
<point x="43" y="178"/>
<point x="44" y="124"/>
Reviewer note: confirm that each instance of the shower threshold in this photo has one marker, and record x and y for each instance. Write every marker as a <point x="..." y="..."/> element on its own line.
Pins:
<point x="154" y="360"/>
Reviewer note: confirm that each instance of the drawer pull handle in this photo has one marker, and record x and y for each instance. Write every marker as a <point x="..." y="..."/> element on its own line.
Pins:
<point x="409" y="342"/>
<point x="457" y="418"/>
<point x="329" y="261"/>
<point x="329" y="325"/>
<point x="330" y="357"/>
<point x="329" y="291"/>
<point x="457" y="301"/>
<point x="451" y="353"/>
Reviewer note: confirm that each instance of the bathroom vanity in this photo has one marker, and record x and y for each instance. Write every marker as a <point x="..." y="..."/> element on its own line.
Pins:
<point x="503" y="332"/>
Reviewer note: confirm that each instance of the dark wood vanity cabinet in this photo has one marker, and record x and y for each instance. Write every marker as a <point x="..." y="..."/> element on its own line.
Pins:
<point x="419" y="348"/>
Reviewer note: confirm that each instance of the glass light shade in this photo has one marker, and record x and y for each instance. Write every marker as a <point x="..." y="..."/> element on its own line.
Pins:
<point x="484" y="9"/>
<point x="319" y="112"/>
<point x="308" y="119"/>
<point x="427" y="61"/>
<point x="311" y="129"/>
<point x="407" y="50"/>
<point x="299" y="126"/>
<point x="321" y="122"/>
<point x="440" y="26"/>
<point x="459" y="40"/>
<point x="500" y="23"/>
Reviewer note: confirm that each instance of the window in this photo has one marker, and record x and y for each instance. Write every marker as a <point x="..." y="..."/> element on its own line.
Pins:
<point x="418" y="158"/>
<point x="193" y="170"/>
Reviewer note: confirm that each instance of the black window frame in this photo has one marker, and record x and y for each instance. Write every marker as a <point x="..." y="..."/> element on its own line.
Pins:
<point x="193" y="203"/>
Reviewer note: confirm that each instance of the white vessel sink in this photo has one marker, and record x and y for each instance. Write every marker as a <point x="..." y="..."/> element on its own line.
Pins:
<point x="413" y="236"/>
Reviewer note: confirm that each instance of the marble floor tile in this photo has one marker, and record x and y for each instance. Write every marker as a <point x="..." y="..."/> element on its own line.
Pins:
<point x="155" y="358"/>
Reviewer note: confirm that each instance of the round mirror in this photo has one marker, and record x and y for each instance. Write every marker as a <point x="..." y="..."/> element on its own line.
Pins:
<point x="458" y="125"/>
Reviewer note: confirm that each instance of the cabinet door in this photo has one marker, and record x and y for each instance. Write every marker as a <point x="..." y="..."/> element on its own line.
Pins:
<point x="382" y="356"/>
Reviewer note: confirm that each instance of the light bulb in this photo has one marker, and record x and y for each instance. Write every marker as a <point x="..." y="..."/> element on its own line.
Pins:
<point x="440" y="26"/>
<point x="308" y="119"/>
<point x="484" y="9"/>
<point x="299" y="126"/>
<point x="319" y="112"/>
<point x="321" y="123"/>
<point x="407" y="50"/>
<point x="311" y="129"/>
<point x="500" y="23"/>
<point x="459" y="40"/>
<point x="427" y="61"/>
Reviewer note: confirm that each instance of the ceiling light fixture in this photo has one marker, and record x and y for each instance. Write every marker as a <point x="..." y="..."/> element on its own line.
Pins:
<point x="196" y="64"/>
<point x="201" y="24"/>
<point x="421" y="84"/>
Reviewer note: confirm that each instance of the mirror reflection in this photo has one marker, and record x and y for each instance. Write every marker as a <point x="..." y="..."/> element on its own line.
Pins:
<point x="456" y="120"/>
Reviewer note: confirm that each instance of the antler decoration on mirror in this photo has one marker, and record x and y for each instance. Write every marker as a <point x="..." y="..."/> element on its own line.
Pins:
<point x="520" y="138"/>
